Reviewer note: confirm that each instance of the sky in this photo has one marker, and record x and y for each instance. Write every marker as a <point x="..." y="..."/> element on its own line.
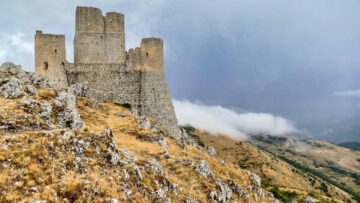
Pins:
<point x="283" y="59"/>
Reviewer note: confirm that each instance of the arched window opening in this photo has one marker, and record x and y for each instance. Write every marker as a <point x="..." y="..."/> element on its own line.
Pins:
<point x="147" y="53"/>
<point x="62" y="64"/>
<point x="55" y="51"/>
<point x="46" y="65"/>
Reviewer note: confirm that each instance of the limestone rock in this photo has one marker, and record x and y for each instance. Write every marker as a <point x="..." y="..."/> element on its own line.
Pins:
<point x="190" y="200"/>
<point x="120" y="115"/>
<point x="47" y="109"/>
<point x="137" y="173"/>
<point x="68" y="99"/>
<point x="80" y="89"/>
<point x="57" y="102"/>
<point x="39" y="80"/>
<point x="237" y="189"/>
<point x="93" y="104"/>
<point x="31" y="89"/>
<point x="225" y="193"/>
<point x="11" y="88"/>
<point x="69" y="118"/>
<point x="11" y="68"/>
<point x="212" y="195"/>
<point x="114" y="201"/>
<point x="143" y="122"/>
<point x="255" y="179"/>
<point x="203" y="169"/>
<point x="309" y="200"/>
<point x="211" y="151"/>
<point x="155" y="165"/>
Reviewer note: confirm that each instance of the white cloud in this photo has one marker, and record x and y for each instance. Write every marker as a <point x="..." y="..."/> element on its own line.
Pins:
<point x="218" y="119"/>
<point x="2" y="54"/>
<point x="297" y="145"/>
<point x="17" y="48"/>
<point x="22" y="45"/>
<point x="348" y="93"/>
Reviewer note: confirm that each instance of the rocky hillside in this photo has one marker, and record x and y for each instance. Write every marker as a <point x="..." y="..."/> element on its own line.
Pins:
<point x="336" y="165"/>
<point x="57" y="146"/>
<point x="287" y="182"/>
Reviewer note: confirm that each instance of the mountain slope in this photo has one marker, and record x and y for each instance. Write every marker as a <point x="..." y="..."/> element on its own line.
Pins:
<point x="275" y="173"/>
<point x="57" y="147"/>
<point x="337" y="165"/>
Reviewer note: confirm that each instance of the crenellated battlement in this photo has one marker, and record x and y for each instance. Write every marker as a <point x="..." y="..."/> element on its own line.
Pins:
<point x="101" y="61"/>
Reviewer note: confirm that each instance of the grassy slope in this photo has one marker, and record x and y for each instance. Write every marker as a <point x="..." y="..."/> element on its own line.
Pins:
<point x="31" y="169"/>
<point x="274" y="171"/>
<point x="339" y="164"/>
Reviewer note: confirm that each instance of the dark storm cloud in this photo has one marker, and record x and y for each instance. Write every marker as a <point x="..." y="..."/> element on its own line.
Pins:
<point x="282" y="57"/>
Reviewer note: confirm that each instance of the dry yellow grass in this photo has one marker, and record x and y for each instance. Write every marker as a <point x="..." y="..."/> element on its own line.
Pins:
<point x="273" y="171"/>
<point x="31" y="169"/>
<point x="46" y="94"/>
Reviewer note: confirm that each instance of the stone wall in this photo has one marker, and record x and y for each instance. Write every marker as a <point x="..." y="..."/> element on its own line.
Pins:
<point x="117" y="83"/>
<point x="50" y="57"/>
<point x="156" y="101"/>
<point x="147" y="91"/>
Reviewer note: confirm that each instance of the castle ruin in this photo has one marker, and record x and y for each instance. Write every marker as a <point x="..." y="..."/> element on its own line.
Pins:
<point x="102" y="63"/>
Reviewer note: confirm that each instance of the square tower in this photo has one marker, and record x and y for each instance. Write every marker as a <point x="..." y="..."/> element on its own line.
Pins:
<point x="98" y="38"/>
<point x="50" y="58"/>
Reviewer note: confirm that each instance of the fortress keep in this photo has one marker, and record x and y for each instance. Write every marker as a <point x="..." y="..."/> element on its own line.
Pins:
<point x="102" y="63"/>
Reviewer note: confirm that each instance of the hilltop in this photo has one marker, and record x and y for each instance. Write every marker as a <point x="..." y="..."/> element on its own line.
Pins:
<point x="58" y="146"/>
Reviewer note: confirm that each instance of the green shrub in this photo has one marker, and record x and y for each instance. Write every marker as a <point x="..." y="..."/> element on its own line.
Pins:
<point x="201" y="143"/>
<point x="324" y="187"/>
<point x="284" y="196"/>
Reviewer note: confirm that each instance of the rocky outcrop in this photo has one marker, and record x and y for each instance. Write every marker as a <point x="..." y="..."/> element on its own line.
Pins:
<point x="57" y="110"/>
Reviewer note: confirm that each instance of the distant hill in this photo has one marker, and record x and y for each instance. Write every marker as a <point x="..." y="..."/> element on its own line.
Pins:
<point x="351" y="145"/>
<point x="286" y="181"/>
<point x="337" y="165"/>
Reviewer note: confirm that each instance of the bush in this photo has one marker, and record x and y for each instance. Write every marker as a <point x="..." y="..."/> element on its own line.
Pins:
<point x="324" y="187"/>
<point x="189" y="129"/>
<point x="284" y="196"/>
<point x="201" y="143"/>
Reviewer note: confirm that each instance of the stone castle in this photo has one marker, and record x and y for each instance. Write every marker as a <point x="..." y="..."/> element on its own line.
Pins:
<point x="102" y="63"/>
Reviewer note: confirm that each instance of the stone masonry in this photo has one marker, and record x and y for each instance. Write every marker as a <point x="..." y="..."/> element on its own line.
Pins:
<point x="102" y="63"/>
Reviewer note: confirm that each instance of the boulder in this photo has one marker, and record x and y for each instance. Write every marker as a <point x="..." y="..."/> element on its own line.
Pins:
<point x="255" y="179"/>
<point x="211" y="151"/>
<point x="308" y="200"/>
<point x="11" y="88"/>
<point x="225" y="193"/>
<point x="203" y="169"/>
<point x="155" y="165"/>
<point x="10" y="68"/>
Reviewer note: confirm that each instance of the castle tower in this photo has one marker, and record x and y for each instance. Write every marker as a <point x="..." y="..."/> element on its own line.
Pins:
<point x="50" y="58"/>
<point x="99" y="39"/>
<point x="151" y="54"/>
<point x="155" y="99"/>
